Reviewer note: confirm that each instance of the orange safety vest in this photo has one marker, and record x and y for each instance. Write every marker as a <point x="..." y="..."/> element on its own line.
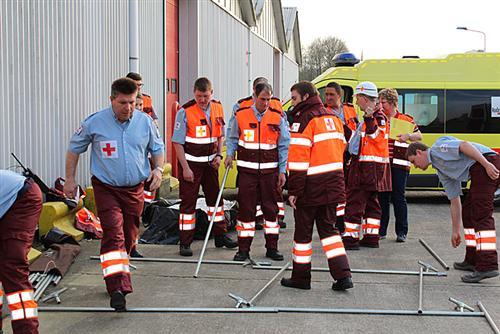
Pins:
<point x="350" y="115"/>
<point x="147" y="105"/>
<point x="398" y="158"/>
<point x="319" y="148"/>
<point x="201" y="139"/>
<point x="375" y="146"/>
<point x="258" y="142"/>
<point x="247" y="102"/>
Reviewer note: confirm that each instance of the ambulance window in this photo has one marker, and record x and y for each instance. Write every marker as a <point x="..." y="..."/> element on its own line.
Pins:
<point x="426" y="107"/>
<point x="470" y="111"/>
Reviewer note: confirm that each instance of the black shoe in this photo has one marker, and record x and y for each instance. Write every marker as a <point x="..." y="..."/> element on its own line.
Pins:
<point x="185" y="251"/>
<point x="364" y="243"/>
<point x="401" y="238"/>
<point x="225" y="241"/>
<point x="343" y="284"/>
<point x="463" y="266"/>
<point x="291" y="284"/>
<point x="118" y="301"/>
<point x="353" y="246"/>
<point x="282" y="223"/>
<point x="241" y="256"/>
<point x="135" y="253"/>
<point x="274" y="255"/>
<point x="259" y="226"/>
<point x="477" y="276"/>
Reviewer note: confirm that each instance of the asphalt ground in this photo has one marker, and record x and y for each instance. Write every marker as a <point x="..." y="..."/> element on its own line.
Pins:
<point x="162" y="285"/>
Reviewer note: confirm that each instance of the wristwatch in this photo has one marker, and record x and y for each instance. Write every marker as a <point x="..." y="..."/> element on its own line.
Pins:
<point x="160" y="169"/>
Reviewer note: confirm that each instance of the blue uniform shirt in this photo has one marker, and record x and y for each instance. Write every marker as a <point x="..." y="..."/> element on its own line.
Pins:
<point x="180" y="128"/>
<point x="10" y="184"/>
<point x="452" y="165"/>
<point x="233" y="136"/>
<point x="119" y="150"/>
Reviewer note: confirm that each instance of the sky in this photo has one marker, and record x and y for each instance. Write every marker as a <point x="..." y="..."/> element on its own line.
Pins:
<point x="392" y="29"/>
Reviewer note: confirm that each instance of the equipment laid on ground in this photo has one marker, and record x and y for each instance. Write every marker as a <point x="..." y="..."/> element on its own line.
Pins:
<point x="434" y="254"/>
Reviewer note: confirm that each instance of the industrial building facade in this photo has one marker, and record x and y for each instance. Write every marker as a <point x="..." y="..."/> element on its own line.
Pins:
<point x="58" y="59"/>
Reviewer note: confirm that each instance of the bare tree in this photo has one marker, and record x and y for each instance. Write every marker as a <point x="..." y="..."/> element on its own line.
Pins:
<point x="318" y="56"/>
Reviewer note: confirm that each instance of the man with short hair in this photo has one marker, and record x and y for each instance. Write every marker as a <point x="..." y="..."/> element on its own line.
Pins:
<point x="120" y="139"/>
<point x="316" y="186"/>
<point x="20" y="209"/>
<point x="369" y="171"/>
<point x="198" y="141"/>
<point x="260" y="136"/>
<point x="458" y="161"/>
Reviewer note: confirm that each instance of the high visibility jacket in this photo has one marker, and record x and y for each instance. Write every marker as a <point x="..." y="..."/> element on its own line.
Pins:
<point x="201" y="139"/>
<point x="275" y="103"/>
<point x="147" y="106"/>
<point x="374" y="145"/>
<point x="350" y="118"/>
<point x="316" y="155"/>
<point x="258" y="142"/>
<point x="397" y="149"/>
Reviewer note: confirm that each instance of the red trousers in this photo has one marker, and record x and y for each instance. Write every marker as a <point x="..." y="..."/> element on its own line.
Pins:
<point x="252" y="187"/>
<point x="362" y="204"/>
<point x="325" y="217"/>
<point x="281" y="208"/>
<point x="119" y="209"/>
<point x="477" y="218"/>
<point x="17" y="229"/>
<point x="208" y="177"/>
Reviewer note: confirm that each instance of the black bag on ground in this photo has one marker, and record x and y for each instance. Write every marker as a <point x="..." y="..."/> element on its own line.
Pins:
<point x="162" y="225"/>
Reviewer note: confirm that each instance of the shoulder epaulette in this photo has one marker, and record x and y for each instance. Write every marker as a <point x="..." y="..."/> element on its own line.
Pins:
<point x="245" y="99"/>
<point x="275" y="110"/>
<point x="216" y="101"/>
<point x="275" y="98"/>
<point x="189" y="104"/>
<point x="143" y="94"/>
<point x="243" y="108"/>
<point x="349" y="104"/>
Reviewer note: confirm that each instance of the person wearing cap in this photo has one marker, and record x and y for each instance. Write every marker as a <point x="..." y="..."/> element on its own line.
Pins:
<point x="20" y="209"/>
<point x="369" y="171"/>
<point x="458" y="161"/>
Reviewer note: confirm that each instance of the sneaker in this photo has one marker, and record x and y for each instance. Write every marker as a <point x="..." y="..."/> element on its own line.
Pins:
<point x="225" y="241"/>
<point x="477" y="276"/>
<point x="465" y="266"/>
<point x="343" y="284"/>
<point x="118" y="301"/>
<point x="185" y="251"/>
<point x="291" y="284"/>
<point x="401" y="238"/>
<point x="241" y="256"/>
<point x="135" y="253"/>
<point x="273" y="254"/>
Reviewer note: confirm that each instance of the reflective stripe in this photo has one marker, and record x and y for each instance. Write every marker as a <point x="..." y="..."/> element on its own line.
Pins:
<point x="113" y="255"/>
<point x="256" y="146"/>
<point x="300" y="141"/>
<point x="470" y="237"/>
<point x="148" y="196"/>
<point x="219" y="216"/>
<point x="245" y="234"/>
<point x="375" y="134"/>
<point x="372" y="221"/>
<point x="302" y="247"/>
<point x="115" y="269"/>
<point x="212" y="209"/>
<point x="302" y="253"/>
<point x="256" y="165"/>
<point x="208" y="140"/>
<point x="371" y="230"/>
<point x="114" y="262"/>
<point x="351" y="227"/>
<point x="301" y="259"/>
<point x="341" y="209"/>
<point x="271" y="227"/>
<point x="258" y="211"/>
<point x="204" y="158"/>
<point x="373" y="158"/>
<point x="245" y="225"/>
<point x="281" y="204"/>
<point x="329" y="135"/>
<point x="302" y="166"/>
<point x="486" y="234"/>
<point x="186" y="216"/>
<point x="354" y="235"/>
<point x="401" y="162"/>
<point x="325" y="168"/>
<point x="486" y="240"/>
<point x="401" y="144"/>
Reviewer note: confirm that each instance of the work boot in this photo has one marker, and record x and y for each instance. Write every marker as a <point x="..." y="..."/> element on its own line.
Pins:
<point x="343" y="284"/>
<point x="281" y="223"/>
<point x="291" y="284"/>
<point x="118" y="301"/>
<point x="259" y="226"/>
<point x="224" y="240"/>
<point x="274" y="255"/>
<point x="135" y="253"/>
<point x="350" y="243"/>
<point x="185" y="251"/>
<point x="477" y="276"/>
<point x="241" y="256"/>
<point x="465" y="266"/>
<point x="364" y="243"/>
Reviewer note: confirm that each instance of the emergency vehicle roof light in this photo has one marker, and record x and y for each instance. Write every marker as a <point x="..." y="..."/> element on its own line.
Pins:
<point x="345" y="59"/>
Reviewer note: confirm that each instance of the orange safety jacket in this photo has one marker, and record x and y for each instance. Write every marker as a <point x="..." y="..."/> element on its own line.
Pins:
<point x="275" y="103"/>
<point x="398" y="157"/>
<point x="147" y="106"/>
<point x="201" y="138"/>
<point x="316" y="155"/>
<point x="258" y="142"/>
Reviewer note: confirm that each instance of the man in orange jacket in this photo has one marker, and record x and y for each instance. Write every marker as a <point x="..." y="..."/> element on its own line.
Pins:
<point x="369" y="171"/>
<point x="316" y="186"/>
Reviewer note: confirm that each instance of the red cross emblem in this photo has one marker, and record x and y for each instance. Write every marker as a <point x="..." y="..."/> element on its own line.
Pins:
<point x="108" y="149"/>
<point x="330" y="125"/>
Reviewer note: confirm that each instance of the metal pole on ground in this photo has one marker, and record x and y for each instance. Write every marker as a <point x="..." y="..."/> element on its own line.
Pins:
<point x="211" y="223"/>
<point x="154" y="259"/>
<point x="268" y="284"/>
<point x="421" y="291"/>
<point x="488" y="318"/>
<point x="434" y="254"/>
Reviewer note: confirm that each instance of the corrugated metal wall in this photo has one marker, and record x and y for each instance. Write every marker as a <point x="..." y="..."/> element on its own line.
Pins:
<point x="262" y="58"/>
<point x="58" y="59"/>
<point x="290" y="75"/>
<point x="151" y="53"/>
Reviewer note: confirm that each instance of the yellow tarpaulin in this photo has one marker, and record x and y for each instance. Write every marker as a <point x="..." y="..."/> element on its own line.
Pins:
<point x="399" y="126"/>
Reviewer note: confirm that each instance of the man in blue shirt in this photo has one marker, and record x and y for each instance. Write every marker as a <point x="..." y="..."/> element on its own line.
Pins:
<point x="458" y="161"/>
<point x="121" y="138"/>
<point x="20" y="208"/>
<point x="261" y="137"/>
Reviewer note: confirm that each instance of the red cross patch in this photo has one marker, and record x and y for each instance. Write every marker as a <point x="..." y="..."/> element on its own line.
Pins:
<point x="109" y="149"/>
<point x="330" y="124"/>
